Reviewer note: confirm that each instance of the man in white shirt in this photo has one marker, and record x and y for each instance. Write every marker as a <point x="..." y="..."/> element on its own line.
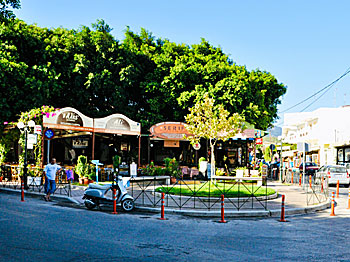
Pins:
<point x="50" y="176"/>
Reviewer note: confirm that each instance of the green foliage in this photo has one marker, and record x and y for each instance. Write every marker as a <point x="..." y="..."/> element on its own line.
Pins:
<point x="211" y="122"/>
<point x="267" y="154"/>
<point x="4" y="12"/>
<point x="142" y="77"/>
<point x="82" y="168"/>
<point x="116" y="161"/>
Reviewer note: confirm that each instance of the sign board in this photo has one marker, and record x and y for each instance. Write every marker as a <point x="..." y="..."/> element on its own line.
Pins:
<point x="49" y="134"/>
<point x="32" y="139"/>
<point x="80" y="142"/>
<point x="37" y="129"/>
<point x="133" y="169"/>
<point x="171" y="143"/>
<point x="303" y="147"/>
<point x="70" y="119"/>
<point x="197" y="146"/>
<point x="117" y="124"/>
<point x="169" y="130"/>
<point x="259" y="141"/>
<point x="272" y="147"/>
<point x="30" y="146"/>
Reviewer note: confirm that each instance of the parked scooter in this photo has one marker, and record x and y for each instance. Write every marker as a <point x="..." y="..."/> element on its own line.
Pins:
<point x="96" y="195"/>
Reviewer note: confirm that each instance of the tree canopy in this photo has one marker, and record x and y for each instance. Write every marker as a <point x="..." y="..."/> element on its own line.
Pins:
<point x="146" y="78"/>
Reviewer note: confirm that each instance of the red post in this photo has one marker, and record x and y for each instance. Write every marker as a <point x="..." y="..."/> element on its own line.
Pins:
<point x="300" y="180"/>
<point x="282" y="210"/>
<point x="22" y="190"/>
<point x="338" y="189"/>
<point x="292" y="177"/>
<point x="162" y="209"/>
<point x="333" y="203"/>
<point x="349" y="200"/>
<point x="322" y="184"/>
<point x="310" y="181"/>
<point x="114" y="201"/>
<point x="222" y="210"/>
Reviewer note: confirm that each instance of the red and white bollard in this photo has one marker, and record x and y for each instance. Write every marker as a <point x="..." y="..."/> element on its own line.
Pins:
<point x="322" y="185"/>
<point x="22" y="191"/>
<point x="333" y="204"/>
<point x="292" y="178"/>
<point x="338" y="189"/>
<point x="300" y="180"/>
<point x="162" y="208"/>
<point x="282" y="210"/>
<point x="349" y="200"/>
<point x="222" y="210"/>
<point x="114" y="201"/>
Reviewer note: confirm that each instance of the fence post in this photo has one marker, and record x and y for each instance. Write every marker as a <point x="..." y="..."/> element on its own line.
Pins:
<point x="338" y="189"/>
<point x="282" y="210"/>
<point x="162" y="209"/>
<point x="333" y="203"/>
<point x="22" y="190"/>
<point x="222" y="210"/>
<point x="114" y="201"/>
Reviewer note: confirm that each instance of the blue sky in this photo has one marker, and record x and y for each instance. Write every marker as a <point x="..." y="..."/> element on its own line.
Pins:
<point x="304" y="44"/>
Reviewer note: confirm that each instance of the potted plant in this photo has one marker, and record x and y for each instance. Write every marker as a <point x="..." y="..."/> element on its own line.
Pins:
<point x="82" y="169"/>
<point x="172" y="168"/>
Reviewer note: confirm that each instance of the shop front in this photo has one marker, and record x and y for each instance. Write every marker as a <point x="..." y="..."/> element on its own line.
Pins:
<point x="70" y="134"/>
<point x="168" y="140"/>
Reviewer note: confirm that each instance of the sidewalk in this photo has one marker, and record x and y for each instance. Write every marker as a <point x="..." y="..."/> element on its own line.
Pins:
<point x="295" y="203"/>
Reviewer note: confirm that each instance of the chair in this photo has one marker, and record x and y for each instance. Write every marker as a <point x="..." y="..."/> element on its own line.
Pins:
<point x="185" y="171"/>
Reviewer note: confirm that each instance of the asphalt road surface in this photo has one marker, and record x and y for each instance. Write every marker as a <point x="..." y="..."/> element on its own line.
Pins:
<point x="36" y="230"/>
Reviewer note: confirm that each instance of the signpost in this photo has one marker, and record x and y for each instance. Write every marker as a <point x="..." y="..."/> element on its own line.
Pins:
<point x="97" y="163"/>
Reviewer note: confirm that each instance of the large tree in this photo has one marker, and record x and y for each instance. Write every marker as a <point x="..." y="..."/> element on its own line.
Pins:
<point x="145" y="78"/>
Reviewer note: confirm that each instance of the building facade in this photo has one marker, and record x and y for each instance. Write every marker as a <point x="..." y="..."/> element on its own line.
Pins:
<point x="326" y="130"/>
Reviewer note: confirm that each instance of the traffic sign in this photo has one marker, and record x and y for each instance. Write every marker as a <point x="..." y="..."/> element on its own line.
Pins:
<point x="259" y="141"/>
<point x="49" y="133"/>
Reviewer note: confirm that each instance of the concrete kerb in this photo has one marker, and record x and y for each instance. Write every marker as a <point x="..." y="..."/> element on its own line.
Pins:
<point x="40" y="195"/>
<point x="198" y="213"/>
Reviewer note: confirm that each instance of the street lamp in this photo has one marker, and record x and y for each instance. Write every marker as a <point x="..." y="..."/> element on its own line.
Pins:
<point x="25" y="128"/>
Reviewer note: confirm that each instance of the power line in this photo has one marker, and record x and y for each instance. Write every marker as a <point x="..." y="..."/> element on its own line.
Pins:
<point x="327" y="86"/>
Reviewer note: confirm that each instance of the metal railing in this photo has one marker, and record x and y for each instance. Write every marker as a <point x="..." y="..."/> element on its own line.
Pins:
<point x="315" y="187"/>
<point x="239" y="193"/>
<point x="10" y="178"/>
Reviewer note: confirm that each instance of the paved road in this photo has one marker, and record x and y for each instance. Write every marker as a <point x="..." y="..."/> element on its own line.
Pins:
<point x="44" y="231"/>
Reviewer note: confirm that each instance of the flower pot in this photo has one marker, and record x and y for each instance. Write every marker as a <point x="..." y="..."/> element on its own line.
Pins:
<point x="86" y="181"/>
<point x="90" y="181"/>
<point x="1" y="177"/>
<point x="81" y="180"/>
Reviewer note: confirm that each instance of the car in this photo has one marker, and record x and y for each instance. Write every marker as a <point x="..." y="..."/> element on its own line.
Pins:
<point x="310" y="168"/>
<point x="334" y="173"/>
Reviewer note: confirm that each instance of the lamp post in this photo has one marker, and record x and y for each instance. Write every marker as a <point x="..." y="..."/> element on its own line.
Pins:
<point x="25" y="128"/>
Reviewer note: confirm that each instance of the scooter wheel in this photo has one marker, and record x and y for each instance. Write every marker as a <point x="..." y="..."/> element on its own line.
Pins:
<point x="128" y="205"/>
<point x="90" y="205"/>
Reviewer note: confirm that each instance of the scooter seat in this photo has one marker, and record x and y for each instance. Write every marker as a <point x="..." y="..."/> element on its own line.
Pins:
<point x="97" y="186"/>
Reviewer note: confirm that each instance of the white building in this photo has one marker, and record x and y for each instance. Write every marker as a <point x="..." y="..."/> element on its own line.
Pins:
<point x="327" y="130"/>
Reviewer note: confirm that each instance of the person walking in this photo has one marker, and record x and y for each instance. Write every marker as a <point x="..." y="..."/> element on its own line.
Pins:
<point x="50" y="176"/>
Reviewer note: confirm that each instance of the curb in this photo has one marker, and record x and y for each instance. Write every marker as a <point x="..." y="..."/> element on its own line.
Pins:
<point x="40" y="195"/>
<point x="198" y="213"/>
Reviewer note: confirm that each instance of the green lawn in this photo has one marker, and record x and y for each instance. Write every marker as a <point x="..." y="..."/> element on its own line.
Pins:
<point x="217" y="190"/>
